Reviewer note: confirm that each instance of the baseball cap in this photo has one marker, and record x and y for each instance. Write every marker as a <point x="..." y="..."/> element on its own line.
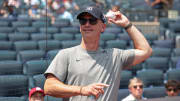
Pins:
<point x="94" y="11"/>
<point x="34" y="90"/>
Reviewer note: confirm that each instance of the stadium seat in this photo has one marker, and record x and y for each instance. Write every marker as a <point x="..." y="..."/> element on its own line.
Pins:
<point x="176" y="52"/>
<point x="6" y="30"/>
<point x="125" y="77"/>
<point x="107" y="36"/>
<point x="173" y="61"/>
<point x="13" y="85"/>
<point x="122" y="93"/>
<point x="61" y="23"/>
<point x="113" y="30"/>
<point x="47" y="45"/>
<point x="49" y="30"/>
<point x="161" y="63"/>
<point x="12" y="98"/>
<point x="18" y="37"/>
<point x="27" y="30"/>
<point x="124" y="36"/>
<point x="40" y="36"/>
<point x="50" y="98"/>
<point x="164" y="44"/>
<point x="11" y="67"/>
<point x="78" y="36"/>
<point x="39" y="80"/>
<point x="3" y="37"/>
<point x="161" y="52"/>
<point x="72" y="30"/>
<point x="154" y="92"/>
<point x="121" y="44"/>
<point x="51" y="54"/>
<point x="25" y="45"/>
<point x="34" y="67"/>
<point x="70" y="43"/>
<point x="40" y="24"/>
<point x="4" y="24"/>
<point x="173" y="74"/>
<point x="7" y="55"/>
<point x="63" y="36"/>
<point x="6" y="45"/>
<point x="151" y="77"/>
<point x="27" y="55"/>
<point x="18" y="24"/>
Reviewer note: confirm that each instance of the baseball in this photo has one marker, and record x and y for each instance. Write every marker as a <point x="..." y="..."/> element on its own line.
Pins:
<point x="111" y="15"/>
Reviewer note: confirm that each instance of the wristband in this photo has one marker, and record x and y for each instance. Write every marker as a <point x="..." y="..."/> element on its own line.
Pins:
<point x="128" y="26"/>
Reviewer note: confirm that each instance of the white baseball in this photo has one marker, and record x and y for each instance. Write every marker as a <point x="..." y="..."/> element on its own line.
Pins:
<point x="111" y="15"/>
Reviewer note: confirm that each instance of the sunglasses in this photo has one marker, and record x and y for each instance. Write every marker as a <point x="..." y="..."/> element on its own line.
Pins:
<point x="140" y="86"/>
<point x="92" y="21"/>
<point x="171" y="89"/>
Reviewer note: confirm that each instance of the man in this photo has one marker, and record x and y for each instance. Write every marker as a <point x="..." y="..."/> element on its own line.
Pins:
<point x="36" y="94"/>
<point x="136" y="90"/>
<point x="172" y="88"/>
<point x="86" y="72"/>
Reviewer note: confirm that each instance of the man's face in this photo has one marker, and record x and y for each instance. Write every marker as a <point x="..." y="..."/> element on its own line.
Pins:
<point x="37" y="96"/>
<point x="91" y="26"/>
<point x="172" y="91"/>
<point x="136" y="90"/>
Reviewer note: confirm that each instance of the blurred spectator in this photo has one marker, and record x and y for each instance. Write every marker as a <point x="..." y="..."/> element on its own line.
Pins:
<point x="160" y="7"/>
<point x="172" y="88"/>
<point x="178" y="64"/>
<point x="71" y="5"/>
<point x="62" y="13"/>
<point x="10" y="8"/>
<point x="136" y="90"/>
<point x="36" y="94"/>
<point x="34" y="11"/>
<point x="99" y="4"/>
<point x="3" y="13"/>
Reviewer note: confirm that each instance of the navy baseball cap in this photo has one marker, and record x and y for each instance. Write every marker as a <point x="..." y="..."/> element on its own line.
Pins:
<point x="94" y="11"/>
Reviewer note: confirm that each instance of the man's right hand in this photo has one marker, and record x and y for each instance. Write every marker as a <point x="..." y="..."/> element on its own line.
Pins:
<point x="95" y="89"/>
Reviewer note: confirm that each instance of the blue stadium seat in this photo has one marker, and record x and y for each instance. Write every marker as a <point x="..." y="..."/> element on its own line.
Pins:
<point x="25" y="45"/>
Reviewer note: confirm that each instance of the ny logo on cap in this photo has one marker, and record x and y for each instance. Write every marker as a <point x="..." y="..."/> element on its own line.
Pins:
<point x="89" y="8"/>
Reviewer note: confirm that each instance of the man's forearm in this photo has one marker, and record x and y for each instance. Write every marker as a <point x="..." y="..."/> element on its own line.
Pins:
<point x="138" y="39"/>
<point x="55" y="88"/>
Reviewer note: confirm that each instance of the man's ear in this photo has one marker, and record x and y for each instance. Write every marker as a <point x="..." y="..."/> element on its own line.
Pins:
<point x="103" y="27"/>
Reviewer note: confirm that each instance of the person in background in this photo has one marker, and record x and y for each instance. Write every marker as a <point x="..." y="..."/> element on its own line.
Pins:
<point x="136" y="90"/>
<point x="172" y="88"/>
<point x="36" y="94"/>
<point x="87" y="72"/>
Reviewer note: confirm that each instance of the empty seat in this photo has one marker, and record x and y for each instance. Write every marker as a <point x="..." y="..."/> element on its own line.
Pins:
<point x="7" y="55"/>
<point x="51" y="54"/>
<point x="107" y="36"/>
<point x="4" y="24"/>
<point x="18" y="37"/>
<point x="176" y="52"/>
<point x="122" y="93"/>
<point x="63" y="36"/>
<point x="173" y="74"/>
<point x="124" y="36"/>
<point x="173" y="61"/>
<point x="69" y="30"/>
<point x="151" y="77"/>
<point x="3" y="37"/>
<point x="27" y="29"/>
<point x="47" y="45"/>
<point x="78" y="36"/>
<point x="70" y="43"/>
<point x="34" y="67"/>
<point x="112" y="30"/>
<point x="161" y="63"/>
<point x="125" y="77"/>
<point x="61" y="23"/>
<point x="49" y="30"/>
<point x="154" y="92"/>
<point x="10" y="67"/>
<point x="12" y="99"/>
<point x="50" y="98"/>
<point x="121" y="44"/>
<point x="6" y="45"/>
<point x="40" y="24"/>
<point x="17" y="24"/>
<point x="30" y="55"/>
<point x="39" y="80"/>
<point x="40" y="36"/>
<point x="25" y="45"/>
<point x="13" y="85"/>
<point x="161" y="52"/>
<point x="164" y="43"/>
<point x="6" y="30"/>
<point x="151" y="37"/>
